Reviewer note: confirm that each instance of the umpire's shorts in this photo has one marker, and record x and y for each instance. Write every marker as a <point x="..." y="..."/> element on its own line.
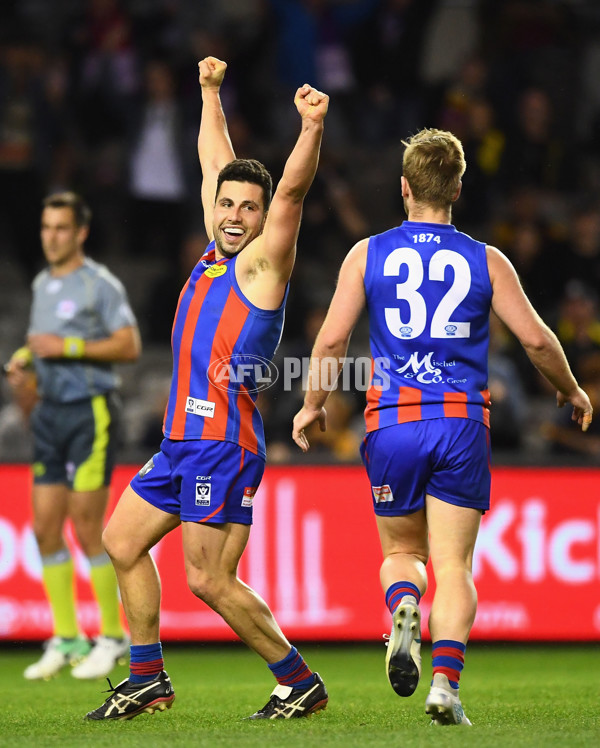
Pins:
<point x="76" y="443"/>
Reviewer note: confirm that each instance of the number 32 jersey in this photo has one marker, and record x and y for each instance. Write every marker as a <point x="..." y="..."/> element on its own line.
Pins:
<point x="428" y="294"/>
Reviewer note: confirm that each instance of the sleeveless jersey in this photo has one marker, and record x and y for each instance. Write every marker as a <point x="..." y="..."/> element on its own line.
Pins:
<point x="222" y="347"/>
<point x="428" y="294"/>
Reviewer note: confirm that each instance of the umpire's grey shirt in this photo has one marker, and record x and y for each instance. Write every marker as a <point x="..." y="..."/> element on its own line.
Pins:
<point x="89" y="303"/>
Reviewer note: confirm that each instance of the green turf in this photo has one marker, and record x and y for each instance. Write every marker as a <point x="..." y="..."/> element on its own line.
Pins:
<point x="514" y="695"/>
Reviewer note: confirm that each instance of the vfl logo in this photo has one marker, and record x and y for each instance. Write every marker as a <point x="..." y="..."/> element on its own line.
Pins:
<point x="405" y="331"/>
<point x="450" y="330"/>
<point x="423" y="371"/>
<point x="202" y="494"/>
<point x="244" y="370"/>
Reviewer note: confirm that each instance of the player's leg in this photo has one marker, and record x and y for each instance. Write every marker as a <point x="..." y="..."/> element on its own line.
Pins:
<point x="133" y="529"/>
<point x="404" y="581"/>
<point x="397" y="464"/>
<point x="218" y="484"/>
<point x="457" y="494"/>
<point x="212" y="553"/>
<point x="453" y="532"/>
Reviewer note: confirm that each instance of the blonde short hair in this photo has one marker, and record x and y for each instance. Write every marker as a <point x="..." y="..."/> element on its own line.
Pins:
<point x="433" y="164"/>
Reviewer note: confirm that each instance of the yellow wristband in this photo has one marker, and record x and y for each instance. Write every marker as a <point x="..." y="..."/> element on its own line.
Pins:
<point x="23" y="354"/>
<point x="74" y="347"/>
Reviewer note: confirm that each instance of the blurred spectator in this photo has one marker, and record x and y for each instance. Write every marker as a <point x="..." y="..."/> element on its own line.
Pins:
<point x="28" y="134"/>
<point x="578" y="324"/>
<point x="535" y="258"/>
<point x="563" y="434"/>
<point x="484" y="145"/>
<point x="312" y="43"/>
<point x="391" y="34"/>
<point x="341" y="440"/>
<point x="535" y="154"/>
<point x="105" y="70"/>
<point x="161" y="300"/>
<point x="582" y="257"/>
<point x="158" y="158"/>
<point x="507" y="393"/>
<point x="461" y="92"/>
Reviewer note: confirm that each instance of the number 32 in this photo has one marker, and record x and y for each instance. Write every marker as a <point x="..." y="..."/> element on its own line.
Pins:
<point x="441" y="324"/>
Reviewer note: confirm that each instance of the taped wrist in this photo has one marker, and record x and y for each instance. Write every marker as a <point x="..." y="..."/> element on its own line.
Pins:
<point x="74" y="347"/>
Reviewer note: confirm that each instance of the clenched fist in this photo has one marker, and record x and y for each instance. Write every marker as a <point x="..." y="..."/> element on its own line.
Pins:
<point x="310" y="103"/>
<point x="211" y="72"/>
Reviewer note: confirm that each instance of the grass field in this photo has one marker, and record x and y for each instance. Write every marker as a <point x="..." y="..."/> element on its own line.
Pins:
<point x="514" y="695"/>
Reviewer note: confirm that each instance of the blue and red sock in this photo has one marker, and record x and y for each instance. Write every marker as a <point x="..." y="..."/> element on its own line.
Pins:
<point x="448" y="657"/>
<point x="293" y="671"/>
<point x="146" y="662"/>
<point x="397" y="591"/>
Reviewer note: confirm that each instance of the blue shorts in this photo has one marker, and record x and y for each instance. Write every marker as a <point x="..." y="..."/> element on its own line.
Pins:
<point x="448" y="458"/>
<point x="201" y="480"/>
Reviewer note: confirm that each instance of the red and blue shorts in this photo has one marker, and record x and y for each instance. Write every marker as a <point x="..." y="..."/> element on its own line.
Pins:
<point x="448" y="458"/>
<point x="201" y="480"/>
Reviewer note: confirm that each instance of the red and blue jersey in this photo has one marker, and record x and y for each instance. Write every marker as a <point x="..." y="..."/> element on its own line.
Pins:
<point x="428" y="294"/>
<point x="222" y="345"/>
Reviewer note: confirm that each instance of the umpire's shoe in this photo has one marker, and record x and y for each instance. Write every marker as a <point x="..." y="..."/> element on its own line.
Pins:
<point x="287" y="702"/>
<point x="128" y="700"/>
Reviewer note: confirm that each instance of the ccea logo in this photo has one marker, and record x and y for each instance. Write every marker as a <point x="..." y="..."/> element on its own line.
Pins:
<point x="253" y="373"/>
<point x="198" y="407"/>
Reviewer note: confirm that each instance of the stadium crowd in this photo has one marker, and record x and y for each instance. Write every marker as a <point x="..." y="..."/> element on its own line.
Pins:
<point x="102" y="97"/>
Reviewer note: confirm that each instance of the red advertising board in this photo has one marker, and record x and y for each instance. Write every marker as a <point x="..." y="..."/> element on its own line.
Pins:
<point x="314" y="555"/>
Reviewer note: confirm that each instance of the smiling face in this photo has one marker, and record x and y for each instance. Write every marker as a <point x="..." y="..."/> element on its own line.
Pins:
<point x="238" y="216"/>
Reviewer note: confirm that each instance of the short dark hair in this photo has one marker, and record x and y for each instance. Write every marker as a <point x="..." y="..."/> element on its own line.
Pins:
<point x="247" y="170"/>
<point x="81" y="210"/>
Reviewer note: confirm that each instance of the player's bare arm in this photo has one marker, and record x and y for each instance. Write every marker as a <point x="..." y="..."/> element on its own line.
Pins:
<point x="332" y="341"/>
<point x="214" y="145"/>
<point x="513" y="307"/>
<point x="266" y="265"/>
<point x="122" y="346"/>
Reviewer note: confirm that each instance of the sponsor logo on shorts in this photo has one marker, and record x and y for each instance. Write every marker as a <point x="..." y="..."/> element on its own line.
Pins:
<point x="382" y="493"/>
<point x="147" y="467"/>
<point x="202" y="494"/>
<point x="248" y="498"/>
<point x="199" y="407"/>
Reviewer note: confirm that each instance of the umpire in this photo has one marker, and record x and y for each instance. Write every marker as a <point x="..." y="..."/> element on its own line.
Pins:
<point x="81" y="324"/>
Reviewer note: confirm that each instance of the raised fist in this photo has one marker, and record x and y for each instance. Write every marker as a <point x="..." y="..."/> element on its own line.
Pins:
<point x="310" y="103"/>
<point x="211" y="72"/>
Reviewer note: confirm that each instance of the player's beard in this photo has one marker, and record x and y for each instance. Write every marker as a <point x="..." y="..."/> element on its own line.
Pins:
<point x="227" y="252"/>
